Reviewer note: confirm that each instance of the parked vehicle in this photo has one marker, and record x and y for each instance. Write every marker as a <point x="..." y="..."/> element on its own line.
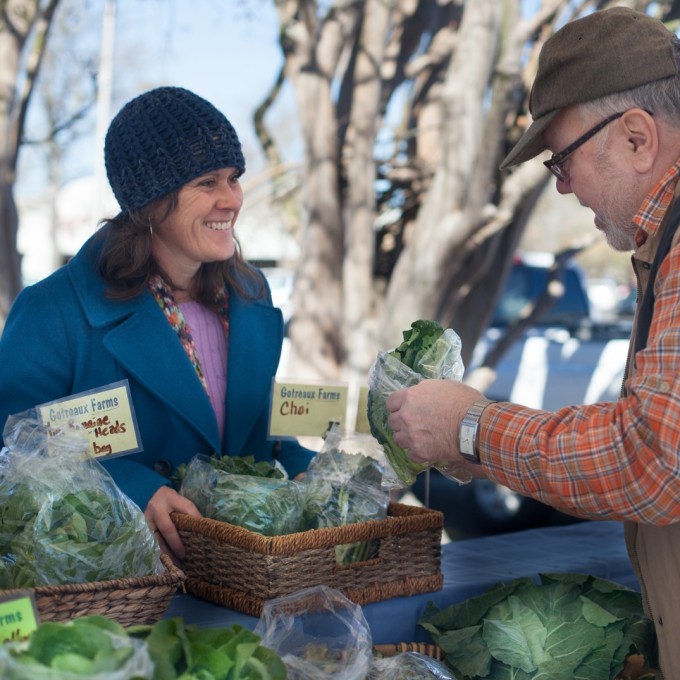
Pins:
<point x="568" y="357"/>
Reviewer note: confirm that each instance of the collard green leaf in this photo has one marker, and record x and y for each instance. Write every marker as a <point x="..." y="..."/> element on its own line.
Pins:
<point x="599" y="662"/>
<point x="568" y="627"/>
<point x="514" y="635"/>
<point x="468" y="612"/>
<point x="595" y="614"/>
<point x="466" y="651"/>
<point x="101" y="622"/>
<point x="501" y="671"/>
<point x="570" y="642"/>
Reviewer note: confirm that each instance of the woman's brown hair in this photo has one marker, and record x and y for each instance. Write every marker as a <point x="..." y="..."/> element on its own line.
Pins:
<point x="125" y="262"/>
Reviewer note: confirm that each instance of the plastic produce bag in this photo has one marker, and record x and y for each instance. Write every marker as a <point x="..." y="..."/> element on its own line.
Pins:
<point x="344" y="488"/>
<point x="319" y="634"/>
<point x="62" y="517"/>
<point x="271" y="506"/>
<point x="428" y="351"/>
<point x="78" y="649"/>
<point x="410" y="666"/>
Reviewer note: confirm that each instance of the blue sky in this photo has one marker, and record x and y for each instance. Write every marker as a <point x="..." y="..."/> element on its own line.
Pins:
<point x="225" y="51"/>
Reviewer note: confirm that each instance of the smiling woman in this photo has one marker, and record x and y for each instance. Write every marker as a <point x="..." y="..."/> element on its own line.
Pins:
<point x="199" y="230"/>
<point x="160" y="297"/>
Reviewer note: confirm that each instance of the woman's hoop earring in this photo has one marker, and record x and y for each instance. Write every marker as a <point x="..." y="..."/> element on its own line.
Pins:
<point x="150" y="228"/>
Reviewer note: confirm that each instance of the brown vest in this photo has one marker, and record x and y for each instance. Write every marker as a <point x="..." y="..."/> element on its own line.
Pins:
<point x="655" y="550"/>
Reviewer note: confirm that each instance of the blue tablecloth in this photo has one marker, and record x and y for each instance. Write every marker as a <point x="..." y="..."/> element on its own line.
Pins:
<point x="469" y="567"/>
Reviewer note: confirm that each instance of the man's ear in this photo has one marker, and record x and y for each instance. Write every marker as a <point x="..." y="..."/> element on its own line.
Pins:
<point x="642" y="138"/>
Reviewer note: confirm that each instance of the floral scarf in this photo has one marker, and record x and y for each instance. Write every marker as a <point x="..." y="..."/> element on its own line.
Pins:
<point x="166" y="301"/>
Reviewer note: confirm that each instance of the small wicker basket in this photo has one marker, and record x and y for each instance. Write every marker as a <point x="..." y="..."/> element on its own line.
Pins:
<point x="130" y="601"/>
<point x="240" y="569"/>
<point x="426" y="648"/>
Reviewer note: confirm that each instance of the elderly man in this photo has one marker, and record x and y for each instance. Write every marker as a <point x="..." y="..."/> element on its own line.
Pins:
<point x="606" y="103"/>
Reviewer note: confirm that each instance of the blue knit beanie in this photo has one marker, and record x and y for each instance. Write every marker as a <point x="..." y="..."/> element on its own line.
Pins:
<point x="163" y="139"/>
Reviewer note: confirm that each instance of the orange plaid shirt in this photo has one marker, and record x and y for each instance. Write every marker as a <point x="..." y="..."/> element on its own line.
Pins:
<point x="614" y="460"/>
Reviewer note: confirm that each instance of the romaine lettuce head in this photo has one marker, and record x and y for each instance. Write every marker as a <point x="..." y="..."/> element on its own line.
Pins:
<point x="427" y="351"/>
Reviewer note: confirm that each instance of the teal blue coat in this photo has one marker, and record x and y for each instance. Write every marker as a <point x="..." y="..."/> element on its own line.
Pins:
<point x="63" y="336"/>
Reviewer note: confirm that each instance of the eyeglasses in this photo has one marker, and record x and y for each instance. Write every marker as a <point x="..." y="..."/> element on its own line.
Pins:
<point x="555" y="163"/>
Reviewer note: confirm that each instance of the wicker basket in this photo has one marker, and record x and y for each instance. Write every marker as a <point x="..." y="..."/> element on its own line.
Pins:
<point x="426" y="648"/>
<point x="240" y="569"/>
<point x="130" y="601"/>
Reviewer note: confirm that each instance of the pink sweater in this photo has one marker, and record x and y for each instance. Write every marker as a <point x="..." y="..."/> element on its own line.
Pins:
<point x="211" y="346"/>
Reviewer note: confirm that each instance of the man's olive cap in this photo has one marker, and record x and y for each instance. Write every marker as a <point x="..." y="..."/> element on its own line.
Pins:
<point x="605" y="52"/>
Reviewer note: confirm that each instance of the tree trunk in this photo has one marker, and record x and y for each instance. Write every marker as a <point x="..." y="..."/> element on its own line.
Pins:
<point x="441" y="228"/>
<point x="428" y="229"/>
<point x="312" y="50"/>
<point x="24" y="25"/>
<point x="358" y="326"/>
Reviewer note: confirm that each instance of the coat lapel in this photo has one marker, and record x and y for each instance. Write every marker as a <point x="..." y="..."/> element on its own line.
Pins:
<point x="146" y="346"/>
<point x="255" y="338"/>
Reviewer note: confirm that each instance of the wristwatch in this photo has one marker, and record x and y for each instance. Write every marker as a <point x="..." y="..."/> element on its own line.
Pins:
<point x="467" y="434"/>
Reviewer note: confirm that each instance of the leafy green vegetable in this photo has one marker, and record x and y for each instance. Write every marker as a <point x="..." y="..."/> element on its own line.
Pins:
<point x="62" y="517"/>
<point x="18" y="510"/>
<point x="339" y="488"/>
<point x="92" y="536"/>
<point x="344" y="488"/>
<point x="256" y="498"/>
<point x="271" y="507"/>
<point x="88" y="535"/>
<point x="568" y="627"/>
<point x="414" y="361"/>
<point x="418" y="341"/>
<point x="192" y="653"/>
<point x="96" y="647"/>
<point x="88" y="647"/>
<point x="237" y="465"/>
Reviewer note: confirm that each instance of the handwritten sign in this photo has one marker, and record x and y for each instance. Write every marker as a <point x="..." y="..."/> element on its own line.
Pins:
<point x="362" y="424"/>
<point x="306" y="410"/>
<point x="18" y="616"/>
<point x="106" y="414"/>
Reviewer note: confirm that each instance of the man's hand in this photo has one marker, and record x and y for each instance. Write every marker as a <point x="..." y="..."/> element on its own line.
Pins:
<point x="425" y="418"/>
<point x="157" y="514"/>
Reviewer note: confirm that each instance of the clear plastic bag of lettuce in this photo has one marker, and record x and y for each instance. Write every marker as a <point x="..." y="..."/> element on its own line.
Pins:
<point x="344" y="487"/>
<point x="267" y="505"/>
<point x="319" y="633"/>
<point x="92" y="647"/>
<point x="62" y="517"/>
<point x="427" y="351"/>
<point x="409" y="666"/>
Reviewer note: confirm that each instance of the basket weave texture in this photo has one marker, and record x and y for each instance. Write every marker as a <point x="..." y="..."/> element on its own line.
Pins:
<point x="130" y="601"/>
<point x="428" y="649"/>
<point x="241" y="570"/>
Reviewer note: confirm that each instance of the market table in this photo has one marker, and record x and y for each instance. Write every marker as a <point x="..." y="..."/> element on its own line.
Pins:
<point x="469" y="567"/>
